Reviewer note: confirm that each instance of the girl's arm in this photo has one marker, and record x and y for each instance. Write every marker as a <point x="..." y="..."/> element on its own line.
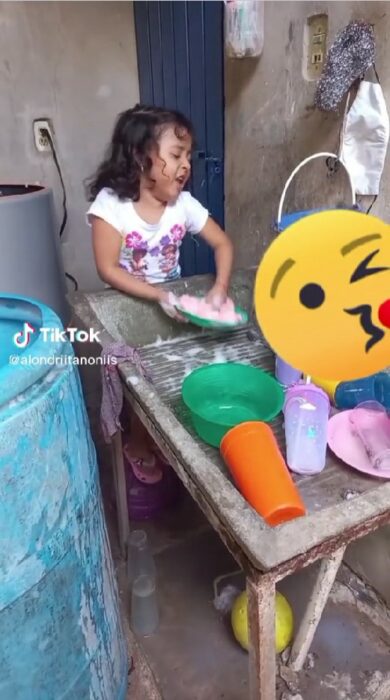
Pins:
<point x="106" y="242"/>
<point x="223" y="250"/>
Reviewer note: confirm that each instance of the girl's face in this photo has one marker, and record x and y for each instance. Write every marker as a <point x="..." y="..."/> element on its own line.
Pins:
<point x="171" y="165"/>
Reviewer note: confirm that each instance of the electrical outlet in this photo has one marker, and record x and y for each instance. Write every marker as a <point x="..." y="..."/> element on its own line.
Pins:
<point x="42" y="143"/>
<point x="317" y="57"/>
<point x="314" y="46"/>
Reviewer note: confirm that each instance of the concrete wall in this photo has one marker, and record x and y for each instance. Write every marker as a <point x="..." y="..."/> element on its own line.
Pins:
<point x="74" y="62"/>
<point x="271" y="124"/>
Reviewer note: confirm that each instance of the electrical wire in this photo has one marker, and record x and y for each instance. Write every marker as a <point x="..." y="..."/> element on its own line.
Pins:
<point x="47" y="134"/>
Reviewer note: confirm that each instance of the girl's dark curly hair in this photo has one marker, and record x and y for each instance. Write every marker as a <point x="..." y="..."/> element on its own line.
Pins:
<point x="136" y="134"/>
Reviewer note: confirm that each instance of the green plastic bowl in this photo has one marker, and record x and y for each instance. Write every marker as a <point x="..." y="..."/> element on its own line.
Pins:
<point x="221" y="396"/>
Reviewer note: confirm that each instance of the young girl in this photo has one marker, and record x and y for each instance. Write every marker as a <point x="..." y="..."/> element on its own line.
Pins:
<point x="140" y="215"/>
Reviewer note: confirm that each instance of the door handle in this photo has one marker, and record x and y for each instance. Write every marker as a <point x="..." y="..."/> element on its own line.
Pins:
<point x="203" y="155"/>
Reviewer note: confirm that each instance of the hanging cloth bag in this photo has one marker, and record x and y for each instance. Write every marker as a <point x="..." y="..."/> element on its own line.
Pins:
<point x="365" y="138"/>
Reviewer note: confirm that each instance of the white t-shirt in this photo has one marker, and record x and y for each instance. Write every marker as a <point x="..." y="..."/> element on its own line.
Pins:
<point x="150" y="252"/>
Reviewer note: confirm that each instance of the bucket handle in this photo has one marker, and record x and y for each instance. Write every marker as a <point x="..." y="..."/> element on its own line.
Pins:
<point x="297" y="169"/>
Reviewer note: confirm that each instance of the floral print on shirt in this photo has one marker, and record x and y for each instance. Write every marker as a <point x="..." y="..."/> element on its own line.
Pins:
<point x="135" y="253"/>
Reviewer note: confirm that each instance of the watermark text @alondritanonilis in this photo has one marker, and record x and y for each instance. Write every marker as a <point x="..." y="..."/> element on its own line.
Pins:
<point x="59" y="360"/>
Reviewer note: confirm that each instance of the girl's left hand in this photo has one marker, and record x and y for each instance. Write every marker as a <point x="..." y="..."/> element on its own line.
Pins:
<point x="216" y="297"/>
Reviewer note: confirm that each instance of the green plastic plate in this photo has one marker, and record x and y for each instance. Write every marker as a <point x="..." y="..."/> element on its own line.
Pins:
<point x="207" y="323"/>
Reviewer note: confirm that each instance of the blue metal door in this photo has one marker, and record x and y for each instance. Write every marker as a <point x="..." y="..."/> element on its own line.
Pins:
<point x="180" y="66"/>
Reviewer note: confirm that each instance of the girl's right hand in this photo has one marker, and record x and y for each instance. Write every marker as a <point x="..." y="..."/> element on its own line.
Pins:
<point x="168" y="302"/>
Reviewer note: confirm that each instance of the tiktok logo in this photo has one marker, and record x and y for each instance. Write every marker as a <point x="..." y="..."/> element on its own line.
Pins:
<point x="22" y="338"/>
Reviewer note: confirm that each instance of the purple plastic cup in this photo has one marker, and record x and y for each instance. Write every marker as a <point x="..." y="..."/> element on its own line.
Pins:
<point x="306" y="415"/>
<point x="285" y="374"/>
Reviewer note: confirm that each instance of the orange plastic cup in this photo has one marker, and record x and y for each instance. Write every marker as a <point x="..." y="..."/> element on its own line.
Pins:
<point x="252" y="454"/>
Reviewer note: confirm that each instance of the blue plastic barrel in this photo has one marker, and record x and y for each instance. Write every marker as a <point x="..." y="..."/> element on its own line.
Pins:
<point x="60" y="630"/>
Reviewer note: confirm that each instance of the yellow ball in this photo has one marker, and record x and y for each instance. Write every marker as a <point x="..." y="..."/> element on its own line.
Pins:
<point x="284" y="622"/>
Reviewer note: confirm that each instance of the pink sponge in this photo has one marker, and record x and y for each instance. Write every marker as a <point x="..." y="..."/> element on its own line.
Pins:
<point x="203" y="309"/>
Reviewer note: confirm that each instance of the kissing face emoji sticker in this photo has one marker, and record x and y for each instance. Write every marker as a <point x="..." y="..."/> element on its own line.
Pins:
<point x="322" y="295"/>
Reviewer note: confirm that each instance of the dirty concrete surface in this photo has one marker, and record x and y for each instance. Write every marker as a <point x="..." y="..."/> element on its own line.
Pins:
<point x="193" y="655"/>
